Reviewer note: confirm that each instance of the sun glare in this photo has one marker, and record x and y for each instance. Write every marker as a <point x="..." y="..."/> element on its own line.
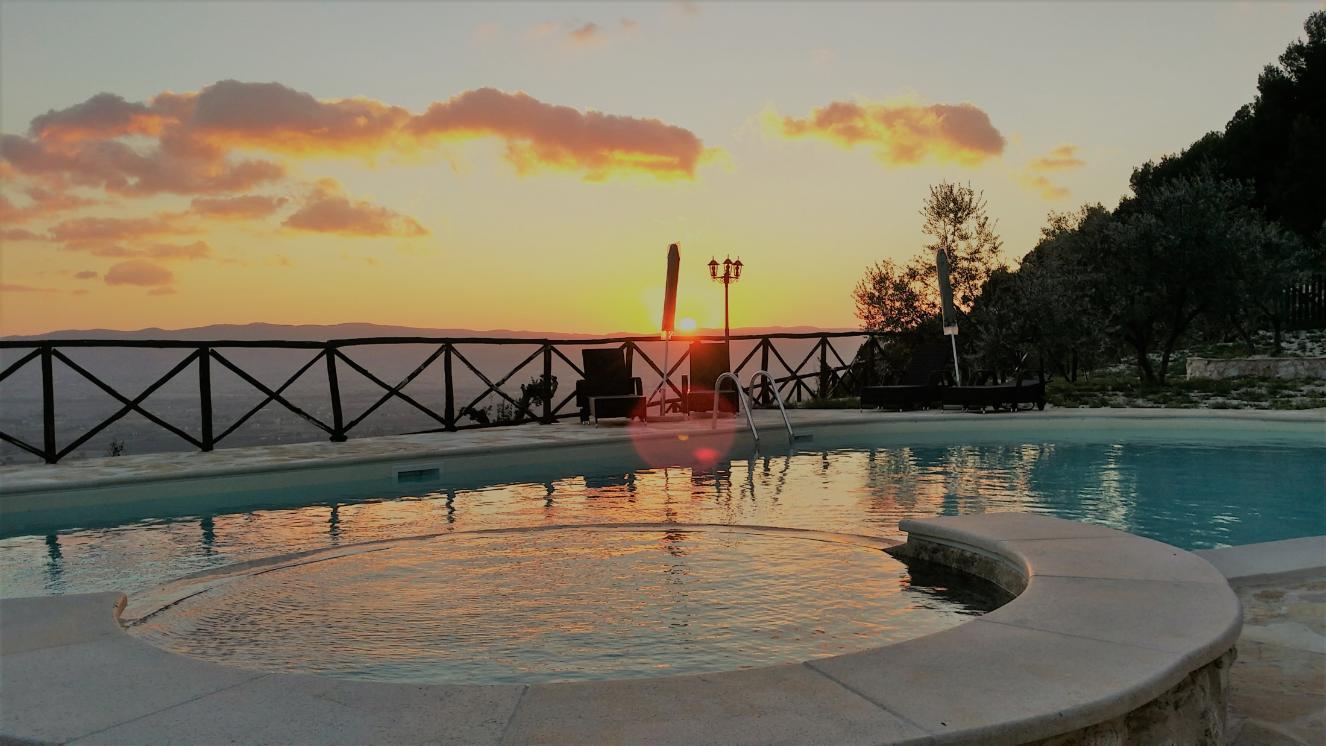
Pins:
<point x="687" y="325"/>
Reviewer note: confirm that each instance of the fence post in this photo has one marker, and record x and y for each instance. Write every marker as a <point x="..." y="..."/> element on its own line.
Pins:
<point x="766" y="396"/>
<point x="205" y="397"/>
<point x="824" y="368"/>
<point x="449" y="395"/>
<point x="48" y="405"/>
<point x="547" y="383"/>
<point x="870" y="361"/>
<point x="338" y="419"/>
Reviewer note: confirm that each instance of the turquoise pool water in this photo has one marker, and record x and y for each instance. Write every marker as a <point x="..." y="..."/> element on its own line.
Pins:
<point x="1194" y="488"/>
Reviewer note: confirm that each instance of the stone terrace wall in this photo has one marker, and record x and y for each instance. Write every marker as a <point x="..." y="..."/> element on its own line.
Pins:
<point x="1262" y="367"/>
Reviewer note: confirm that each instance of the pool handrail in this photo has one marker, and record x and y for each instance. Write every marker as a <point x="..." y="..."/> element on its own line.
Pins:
<point x="778" y="399"/>
<point x="742" y="403"/>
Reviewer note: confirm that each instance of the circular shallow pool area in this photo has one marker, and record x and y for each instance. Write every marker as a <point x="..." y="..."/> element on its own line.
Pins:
<point x="564" y="604"/>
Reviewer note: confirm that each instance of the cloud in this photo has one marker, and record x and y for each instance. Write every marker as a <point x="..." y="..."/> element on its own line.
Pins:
<point x="9" y="288"/>
<point x="247" y="207"/>
<point x="1062" y="158"/>
<point x="901" y="134"/>
<point x="160" y="251"/>
<point x="201" y="143"/>
<point x="41" y="203"/>
<point x="86" y="274"/>
<point x="327" y="210"/>
<point x="98" y="229"/>
<point x="1047" y="189"/>
<point x="139" y="272"/>
<point x="544" y="136"/>
<point x="20" y="234"/>
<point x="104" y="115"/>
<point x="589" y="33"/>
<point x="686" y="7"/>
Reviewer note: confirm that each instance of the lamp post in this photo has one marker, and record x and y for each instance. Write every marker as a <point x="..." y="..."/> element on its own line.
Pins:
<point x="731" y="273"/>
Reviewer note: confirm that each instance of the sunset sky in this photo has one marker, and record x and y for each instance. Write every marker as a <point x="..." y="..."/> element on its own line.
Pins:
<point x="525" y="166"/>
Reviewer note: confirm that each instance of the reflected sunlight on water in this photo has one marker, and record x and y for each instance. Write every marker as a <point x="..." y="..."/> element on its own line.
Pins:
<point x="1188" y="495"/>
<point x="564" y="604"/>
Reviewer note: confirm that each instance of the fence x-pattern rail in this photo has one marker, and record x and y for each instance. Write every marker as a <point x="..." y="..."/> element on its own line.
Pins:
<point x="823" y="371"/>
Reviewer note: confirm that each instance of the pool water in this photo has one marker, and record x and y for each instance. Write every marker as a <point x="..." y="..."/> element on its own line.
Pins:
<point x="1147" y="481"/>
<point x="563" y="604"/>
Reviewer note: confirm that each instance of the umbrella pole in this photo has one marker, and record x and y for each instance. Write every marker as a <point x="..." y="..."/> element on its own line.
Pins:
<point x="957" y="374"/>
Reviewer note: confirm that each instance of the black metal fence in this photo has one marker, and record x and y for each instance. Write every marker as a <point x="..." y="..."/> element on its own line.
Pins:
<point x="803" y="365"/>
<point x="1305" y="304"/>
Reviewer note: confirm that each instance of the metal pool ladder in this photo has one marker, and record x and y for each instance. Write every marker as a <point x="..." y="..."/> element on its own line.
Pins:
<point x="744" y="402"/>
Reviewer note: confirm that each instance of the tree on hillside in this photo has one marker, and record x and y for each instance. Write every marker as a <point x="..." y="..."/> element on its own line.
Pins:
<point x="1050" y="305"/>
<point x="1175" y="251"/>
<point x="956" y="219"/>
<point x="897" y="298"/>
<point x="1277" y="142"/>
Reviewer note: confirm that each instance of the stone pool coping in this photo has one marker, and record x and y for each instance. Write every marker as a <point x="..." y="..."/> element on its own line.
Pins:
<point x="18" y="480"/>
<point x="1106" y="623"/>
<point x="1269" y="560"/>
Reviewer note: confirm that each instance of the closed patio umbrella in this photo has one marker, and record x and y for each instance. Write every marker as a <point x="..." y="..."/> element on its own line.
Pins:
<point x="669" y="318"/>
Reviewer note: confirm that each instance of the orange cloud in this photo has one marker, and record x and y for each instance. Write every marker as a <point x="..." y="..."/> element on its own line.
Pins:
<point x="8" y="288"/>
<point x="187" y="143"/>
<point x="41" y="203"/>
<point x="1047" y="189"/>
<point x="327" y="210"/>
<point x="544" y="136"/>
<point x="247" y="207"/>
<point x="140" y="273"/>
<point x="19" y="234"/>
<point x="105" y="115"/>
<point x="1062" y="158"/>
<point x="159" y="251"/>
<point x="589" y="33"/>
<point x="119" y="229"/>
<point x="900" y="134"/>
<point x="86" y="274"/>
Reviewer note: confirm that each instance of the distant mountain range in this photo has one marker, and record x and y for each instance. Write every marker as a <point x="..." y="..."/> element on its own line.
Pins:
<point x="321" y="332"/>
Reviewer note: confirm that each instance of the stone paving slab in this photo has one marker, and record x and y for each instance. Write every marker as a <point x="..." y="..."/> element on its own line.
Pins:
<point x="1252" y="563"/>
<point x="288" y="709"/>
<point x="781" y="704"/>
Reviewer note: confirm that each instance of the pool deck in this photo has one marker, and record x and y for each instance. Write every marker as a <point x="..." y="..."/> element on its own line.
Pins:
<point x="1278" y="683"/>
<point x="95" y="472"/>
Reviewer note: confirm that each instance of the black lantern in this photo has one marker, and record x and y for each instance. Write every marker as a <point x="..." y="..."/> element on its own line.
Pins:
<point x="731" y="273"/>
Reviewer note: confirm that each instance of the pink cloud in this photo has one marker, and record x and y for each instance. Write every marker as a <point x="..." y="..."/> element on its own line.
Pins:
<point x="86" y="274"/>
<point x="327" y="210"/>
<point x="139" y="272"/>
<point x="900" y="134"/>
<point x="247" y="207"/>
<point x="540" y="135"/>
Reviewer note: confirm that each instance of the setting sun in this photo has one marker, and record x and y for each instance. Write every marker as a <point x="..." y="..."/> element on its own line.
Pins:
<point x="686" y="325"/>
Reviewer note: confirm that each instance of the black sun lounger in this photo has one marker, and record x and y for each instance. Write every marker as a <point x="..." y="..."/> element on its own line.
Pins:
<point x="608" y="389"/>
<point x="921" y="381"/>
<point x="708" y="362"/>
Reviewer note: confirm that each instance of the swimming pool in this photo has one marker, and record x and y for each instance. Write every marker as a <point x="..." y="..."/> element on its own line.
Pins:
<point x="1194" y="485"/>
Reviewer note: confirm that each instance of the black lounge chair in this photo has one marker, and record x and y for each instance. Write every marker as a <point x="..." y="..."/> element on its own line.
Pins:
<point x="608" y="389"/>
<point x="708" y="362"/>
<point x="1027" y="387"/>
<point x="925" y="375"/>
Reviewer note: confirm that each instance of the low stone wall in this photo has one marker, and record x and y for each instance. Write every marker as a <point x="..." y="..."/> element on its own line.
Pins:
<point x="1190" y="711"/>
<point x="1261" y="367"/>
